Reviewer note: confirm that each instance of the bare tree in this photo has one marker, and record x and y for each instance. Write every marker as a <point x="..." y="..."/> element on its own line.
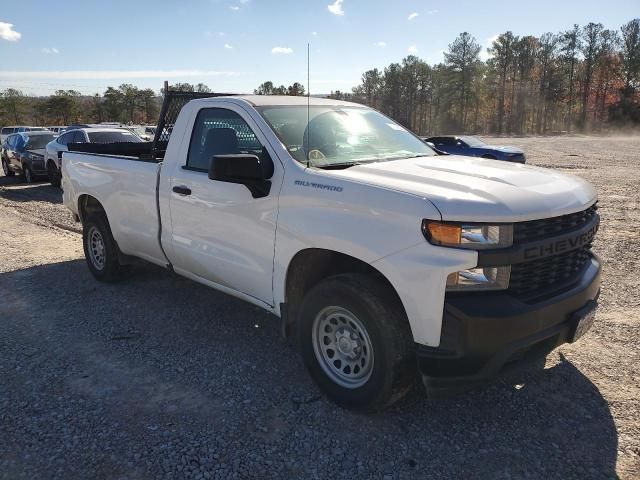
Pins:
<point x="502" y="53"/>
<point x="571" y="45"/>
<point x="630" y="53"/>
<point x="591" y="50"/>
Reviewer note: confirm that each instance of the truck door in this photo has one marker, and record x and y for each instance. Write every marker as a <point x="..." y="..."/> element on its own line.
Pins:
<point x="219" y="232"/>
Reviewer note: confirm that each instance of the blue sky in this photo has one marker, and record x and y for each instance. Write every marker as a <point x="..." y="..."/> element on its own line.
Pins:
<point x="234" y="45"/>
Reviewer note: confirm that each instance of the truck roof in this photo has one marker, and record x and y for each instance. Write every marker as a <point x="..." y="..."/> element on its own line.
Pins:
<point x="273" y="100"/>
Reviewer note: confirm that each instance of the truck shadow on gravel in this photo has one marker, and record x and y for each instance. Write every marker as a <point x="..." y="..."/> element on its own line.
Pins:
<point x="160" y="355"/>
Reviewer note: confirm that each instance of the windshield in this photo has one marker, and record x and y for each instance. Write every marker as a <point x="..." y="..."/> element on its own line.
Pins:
<point x="113" y="137"/>
<point x="337" y="135"/>
<point x="37" y="142"/>
<point x="473" y="141"/>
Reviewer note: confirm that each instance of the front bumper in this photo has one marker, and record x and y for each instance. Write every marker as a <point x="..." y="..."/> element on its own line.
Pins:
<point x="484" y="334"/>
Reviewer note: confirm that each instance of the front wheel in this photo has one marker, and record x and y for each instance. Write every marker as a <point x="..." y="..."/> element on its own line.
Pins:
<point x="28" y="174"/>
<point x="356" y="342"/>
<point x="54" y="174"/>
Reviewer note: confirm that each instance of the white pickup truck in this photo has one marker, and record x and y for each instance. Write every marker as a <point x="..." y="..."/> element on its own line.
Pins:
<point x="381" y="257"/>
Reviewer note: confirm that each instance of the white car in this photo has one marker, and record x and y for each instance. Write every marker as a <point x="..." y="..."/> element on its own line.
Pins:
<point x="383" y="259"/>
<point x="57" y="129"/>
<point x="55" y="148"/>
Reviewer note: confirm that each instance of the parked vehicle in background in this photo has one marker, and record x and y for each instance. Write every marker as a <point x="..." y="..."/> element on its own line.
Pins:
<point x="23" y="153"/>
<point x="474" y="147"/>
<point x="381" y="257"/>
<point x="149" y="132"/>
<point x="54" y="149"/>
<point x="57" y="130"/>
<point x="6" y="131"/>
<point x="145" y="133"/>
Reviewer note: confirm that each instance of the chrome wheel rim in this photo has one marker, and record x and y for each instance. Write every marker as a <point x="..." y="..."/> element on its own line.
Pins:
<point x="96" y="248"/>
<point x="342" y="347"/>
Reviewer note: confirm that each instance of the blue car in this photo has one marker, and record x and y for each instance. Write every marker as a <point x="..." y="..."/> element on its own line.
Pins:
<point x="474" y="147"/>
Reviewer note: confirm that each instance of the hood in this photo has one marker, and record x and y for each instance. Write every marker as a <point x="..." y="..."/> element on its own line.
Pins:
<point x="502" y="148"/>
<point x="37" y="151"/>
<point x="479" y="190"/>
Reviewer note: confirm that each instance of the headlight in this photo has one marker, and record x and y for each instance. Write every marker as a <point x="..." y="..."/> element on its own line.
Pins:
<point x="470" y="236"/>
<point x="473" y="237"/>
<point x="481" y="278"/>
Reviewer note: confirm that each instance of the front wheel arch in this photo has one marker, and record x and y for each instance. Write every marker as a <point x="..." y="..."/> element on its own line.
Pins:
<point x="309" y="267"/>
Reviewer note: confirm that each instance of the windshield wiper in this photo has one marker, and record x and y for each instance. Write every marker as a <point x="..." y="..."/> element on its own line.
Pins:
<point x="338" y="166"/>
<point x="417" y="155"/>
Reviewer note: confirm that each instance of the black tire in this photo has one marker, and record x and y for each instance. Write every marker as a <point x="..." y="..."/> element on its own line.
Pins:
<point x="54" y="174"/>
<point x="27" y="173"/>
<point x="392" y="349"/>
<point x="5" y="168"/>
<point x="96" y="229"/>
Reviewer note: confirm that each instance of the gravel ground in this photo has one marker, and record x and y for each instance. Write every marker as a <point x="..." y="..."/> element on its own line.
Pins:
<point x="158" y="377"/>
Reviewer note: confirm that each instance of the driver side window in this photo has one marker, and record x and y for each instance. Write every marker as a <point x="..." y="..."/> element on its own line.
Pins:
<point x="218" y="131"/>
<point x="64" y="139"/>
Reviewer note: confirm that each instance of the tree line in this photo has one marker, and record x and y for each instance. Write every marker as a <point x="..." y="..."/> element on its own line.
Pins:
<point x="583" y="79"/>
<point x="126" y="104"/>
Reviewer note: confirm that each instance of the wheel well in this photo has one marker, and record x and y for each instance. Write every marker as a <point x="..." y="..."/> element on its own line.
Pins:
<point x="309" y="267"/>
<point x="88" y="205"/>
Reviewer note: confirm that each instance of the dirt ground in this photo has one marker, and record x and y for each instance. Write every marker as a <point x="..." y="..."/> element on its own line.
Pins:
<point x="158" y="377"/>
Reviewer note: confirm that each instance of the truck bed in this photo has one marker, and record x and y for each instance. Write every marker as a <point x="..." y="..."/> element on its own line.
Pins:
<point x="128" y="191"/>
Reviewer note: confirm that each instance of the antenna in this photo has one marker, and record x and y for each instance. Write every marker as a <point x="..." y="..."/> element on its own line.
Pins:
<point x="308" y="100"/>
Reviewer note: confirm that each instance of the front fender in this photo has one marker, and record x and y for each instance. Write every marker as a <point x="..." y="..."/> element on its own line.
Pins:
<point x="364" y="222"/>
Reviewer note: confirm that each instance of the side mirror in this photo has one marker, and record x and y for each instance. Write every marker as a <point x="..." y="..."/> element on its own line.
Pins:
<point x="245" y="169"/>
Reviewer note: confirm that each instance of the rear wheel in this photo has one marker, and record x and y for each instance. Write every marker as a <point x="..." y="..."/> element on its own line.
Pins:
<point x="54" y="174"/>
<point x="356" y="342"/>
<point x="5" y="168"/>
<point x="100" y="249"/>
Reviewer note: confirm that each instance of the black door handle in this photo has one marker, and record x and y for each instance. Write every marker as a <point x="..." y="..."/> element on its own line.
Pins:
<point x="182" y="190"/>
